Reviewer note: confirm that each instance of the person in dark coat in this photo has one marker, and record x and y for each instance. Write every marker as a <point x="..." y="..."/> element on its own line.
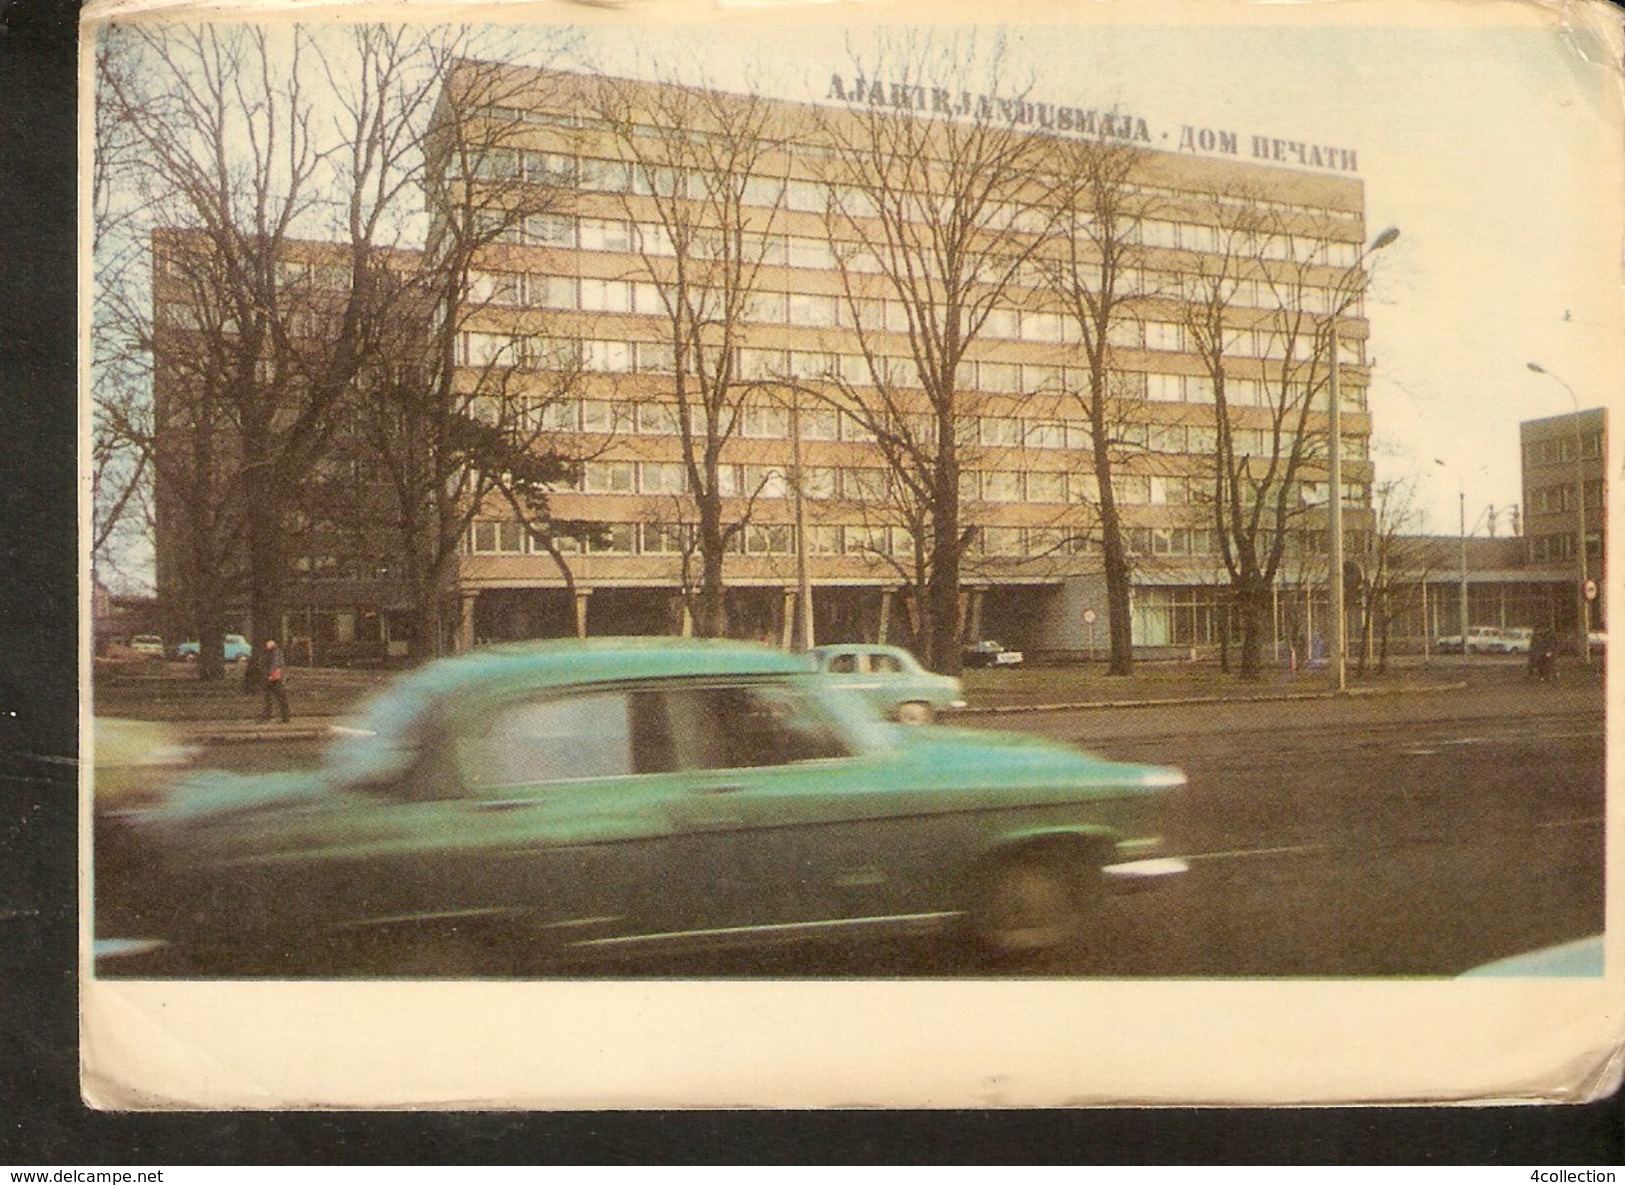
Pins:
<point x="274" y="688"/>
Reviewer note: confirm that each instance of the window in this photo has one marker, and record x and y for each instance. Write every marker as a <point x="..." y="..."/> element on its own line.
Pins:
<point x="1164" y="335"/>
<point x="598" y="234"/>
<point x="1001" y="430"/>
<point x="1046" y="487"/>
<point x="664" y="477"/>
<point x="865" y="484"/>
<point x="502" y="538"/>
<point x="654" y="239"/>
<point x="746" y="727"/>
<point x="769" y="539"/>
<point x="818" y="311"/>
<point x="820" y="482"/>
<point x="1004" y="377"/>
<point x="609" y="477"/>
<point x="769" y="307"/>
<point x="764" y="421"/>
<point x="808" y="196"/>
<point x="550" y="740"/>
<point x="656" y="358"/>
<point x="1002" y="540"/>
<point x="665" y="539"/>
<point x="606" y="296"/>
<point x="814" y="253"/>
<point x="764" y="191"/>
<point x="1002" y="322"/>
<point x="612" y="538"/>
<point x="606" y="357"/>
<point x="765" y="481"/>
<point x="550" y="230"/>
<point x="551" y="292"/>
<point x="1164" y="388"/>
<point x="602" y="415"/>
<point x="1001" y="486"/>
<point x="1046" y="434"/>
<point x="605" y="176"/>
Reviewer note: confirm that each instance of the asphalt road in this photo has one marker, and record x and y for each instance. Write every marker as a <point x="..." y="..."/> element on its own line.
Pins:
<point x="1401" y="835"/>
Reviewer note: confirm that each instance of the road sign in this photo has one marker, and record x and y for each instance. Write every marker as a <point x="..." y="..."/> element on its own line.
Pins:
<point x="1591" y="590"/>
<point x="1088" y="617"/>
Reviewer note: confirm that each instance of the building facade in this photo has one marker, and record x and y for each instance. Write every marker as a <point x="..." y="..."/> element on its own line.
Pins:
<point x="595" y="215"/>
<point x="589" y="283"/>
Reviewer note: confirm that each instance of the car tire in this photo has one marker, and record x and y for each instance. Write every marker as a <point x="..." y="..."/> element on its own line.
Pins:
<point x="1023" y="907"/>
<point x="915" y="712"/>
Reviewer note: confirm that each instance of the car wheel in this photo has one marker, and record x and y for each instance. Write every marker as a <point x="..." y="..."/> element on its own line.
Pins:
<point x="1030" y="905"/>
<point x="915" y="712"/>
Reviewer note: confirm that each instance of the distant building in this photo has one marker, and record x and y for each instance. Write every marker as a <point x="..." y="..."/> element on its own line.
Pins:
<point x="1565" y="465"/>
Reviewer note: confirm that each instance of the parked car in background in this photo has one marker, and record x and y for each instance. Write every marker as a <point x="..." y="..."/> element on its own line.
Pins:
<point x="990" y="654"/>
<point x="525" y="804"/>
<point x="237" y="649"/>
<point x="1597" y="642"/>
<point x="892" y="679"/>
<point x="1517" y="640"/>
<point x="148" y="645"/>
<point x="1481" y="639"/>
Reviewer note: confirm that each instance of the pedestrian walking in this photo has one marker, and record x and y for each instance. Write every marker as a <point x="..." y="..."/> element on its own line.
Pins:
<point x="274" y="688"/>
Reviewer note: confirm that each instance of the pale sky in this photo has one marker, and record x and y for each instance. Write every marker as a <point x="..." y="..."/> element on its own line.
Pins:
<point x="1488" y="134"/>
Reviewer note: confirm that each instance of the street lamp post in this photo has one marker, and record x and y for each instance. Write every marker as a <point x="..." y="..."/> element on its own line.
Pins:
<point x="1334" y="475"/>
<point x="1461" y="497"/>
<point x="1583" y="609"/>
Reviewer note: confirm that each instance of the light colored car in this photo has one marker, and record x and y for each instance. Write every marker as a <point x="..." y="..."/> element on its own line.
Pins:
<point x="1481" y="639"/>
<point x="892" y="679"/>
<point x="237" y="649"/>
<point x="1517" y="640"/>
<point x="523" y="805"/>
<point x="148" y="645"/>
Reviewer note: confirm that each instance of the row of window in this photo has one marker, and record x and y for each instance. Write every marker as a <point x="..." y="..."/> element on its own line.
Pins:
<point x="490" y="537"/>
<point x="604" y="356"/>
<point x="822" y="311"/>
<point x="1561" y="448"/>
<point x="770" y="421"/>
<point x="872" y="484"/>
<point x="610" y="175"/>
<point x="1555" y="498"/>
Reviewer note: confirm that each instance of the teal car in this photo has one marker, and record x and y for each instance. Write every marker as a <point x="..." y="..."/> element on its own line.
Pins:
<point x="235" y="648"/>
<point x="504" y="810"/>
<point x="891" y="679"/>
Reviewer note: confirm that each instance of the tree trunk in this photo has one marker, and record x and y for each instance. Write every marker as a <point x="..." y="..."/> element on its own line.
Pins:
<point x="1253" y="606"/>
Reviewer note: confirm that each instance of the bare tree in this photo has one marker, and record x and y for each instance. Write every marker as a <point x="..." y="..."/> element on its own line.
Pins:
<point x="478" y="418"/>
<point x="1095" y="272"/>
<point x="702" y="192"/>
<point x="1258" y="312"/>
<point x="1394" y="565"/>
<point x="936" y="214"/>
<point x="265" y="341"/>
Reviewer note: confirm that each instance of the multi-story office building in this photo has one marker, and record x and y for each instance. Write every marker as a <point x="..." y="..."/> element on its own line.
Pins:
<point x="1565" y="483"/>
<point x="588" y="283"/>
<point x="581" y="285"/>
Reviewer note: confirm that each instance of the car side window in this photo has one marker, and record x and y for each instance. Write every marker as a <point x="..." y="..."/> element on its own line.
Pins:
<point x="885" y="664"/>
<point x="745" y="727"/>
<point x="843" y="664"/>
<point x="549" y="740"/>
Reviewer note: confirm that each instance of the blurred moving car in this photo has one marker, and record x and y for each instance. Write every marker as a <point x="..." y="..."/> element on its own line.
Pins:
<point x="1481" y="639"/>
<point x="237" y="649"/>
<point x="892" y="679"/>
<point x="990" y="654"/>
<point x="495" y="812"/>
<point x="148" y="645"/>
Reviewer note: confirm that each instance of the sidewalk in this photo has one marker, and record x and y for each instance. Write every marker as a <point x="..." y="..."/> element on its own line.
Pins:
<point x="224" y="712"/>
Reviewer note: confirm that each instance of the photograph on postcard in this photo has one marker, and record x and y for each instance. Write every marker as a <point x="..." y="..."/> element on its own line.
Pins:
<point x="817" y="495"/>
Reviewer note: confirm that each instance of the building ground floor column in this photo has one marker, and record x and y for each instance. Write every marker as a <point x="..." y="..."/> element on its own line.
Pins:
<point x="583" y="595"/>
<point x="465" y="623"/>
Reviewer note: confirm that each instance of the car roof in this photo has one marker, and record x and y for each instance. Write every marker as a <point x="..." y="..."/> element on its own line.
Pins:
<point x="574" y="661"/>
<point x="858" y="648"/>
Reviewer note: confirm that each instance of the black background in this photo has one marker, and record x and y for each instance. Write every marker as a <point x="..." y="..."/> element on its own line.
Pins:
<point x="42" y="1121"/>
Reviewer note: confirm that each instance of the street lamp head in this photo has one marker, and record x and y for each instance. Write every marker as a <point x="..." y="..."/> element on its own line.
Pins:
<point x="1385" y="238"/>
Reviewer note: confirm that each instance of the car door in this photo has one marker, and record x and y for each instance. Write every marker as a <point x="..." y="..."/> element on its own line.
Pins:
<point x="527" y="817"/>
<point x="773" y="826"/>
